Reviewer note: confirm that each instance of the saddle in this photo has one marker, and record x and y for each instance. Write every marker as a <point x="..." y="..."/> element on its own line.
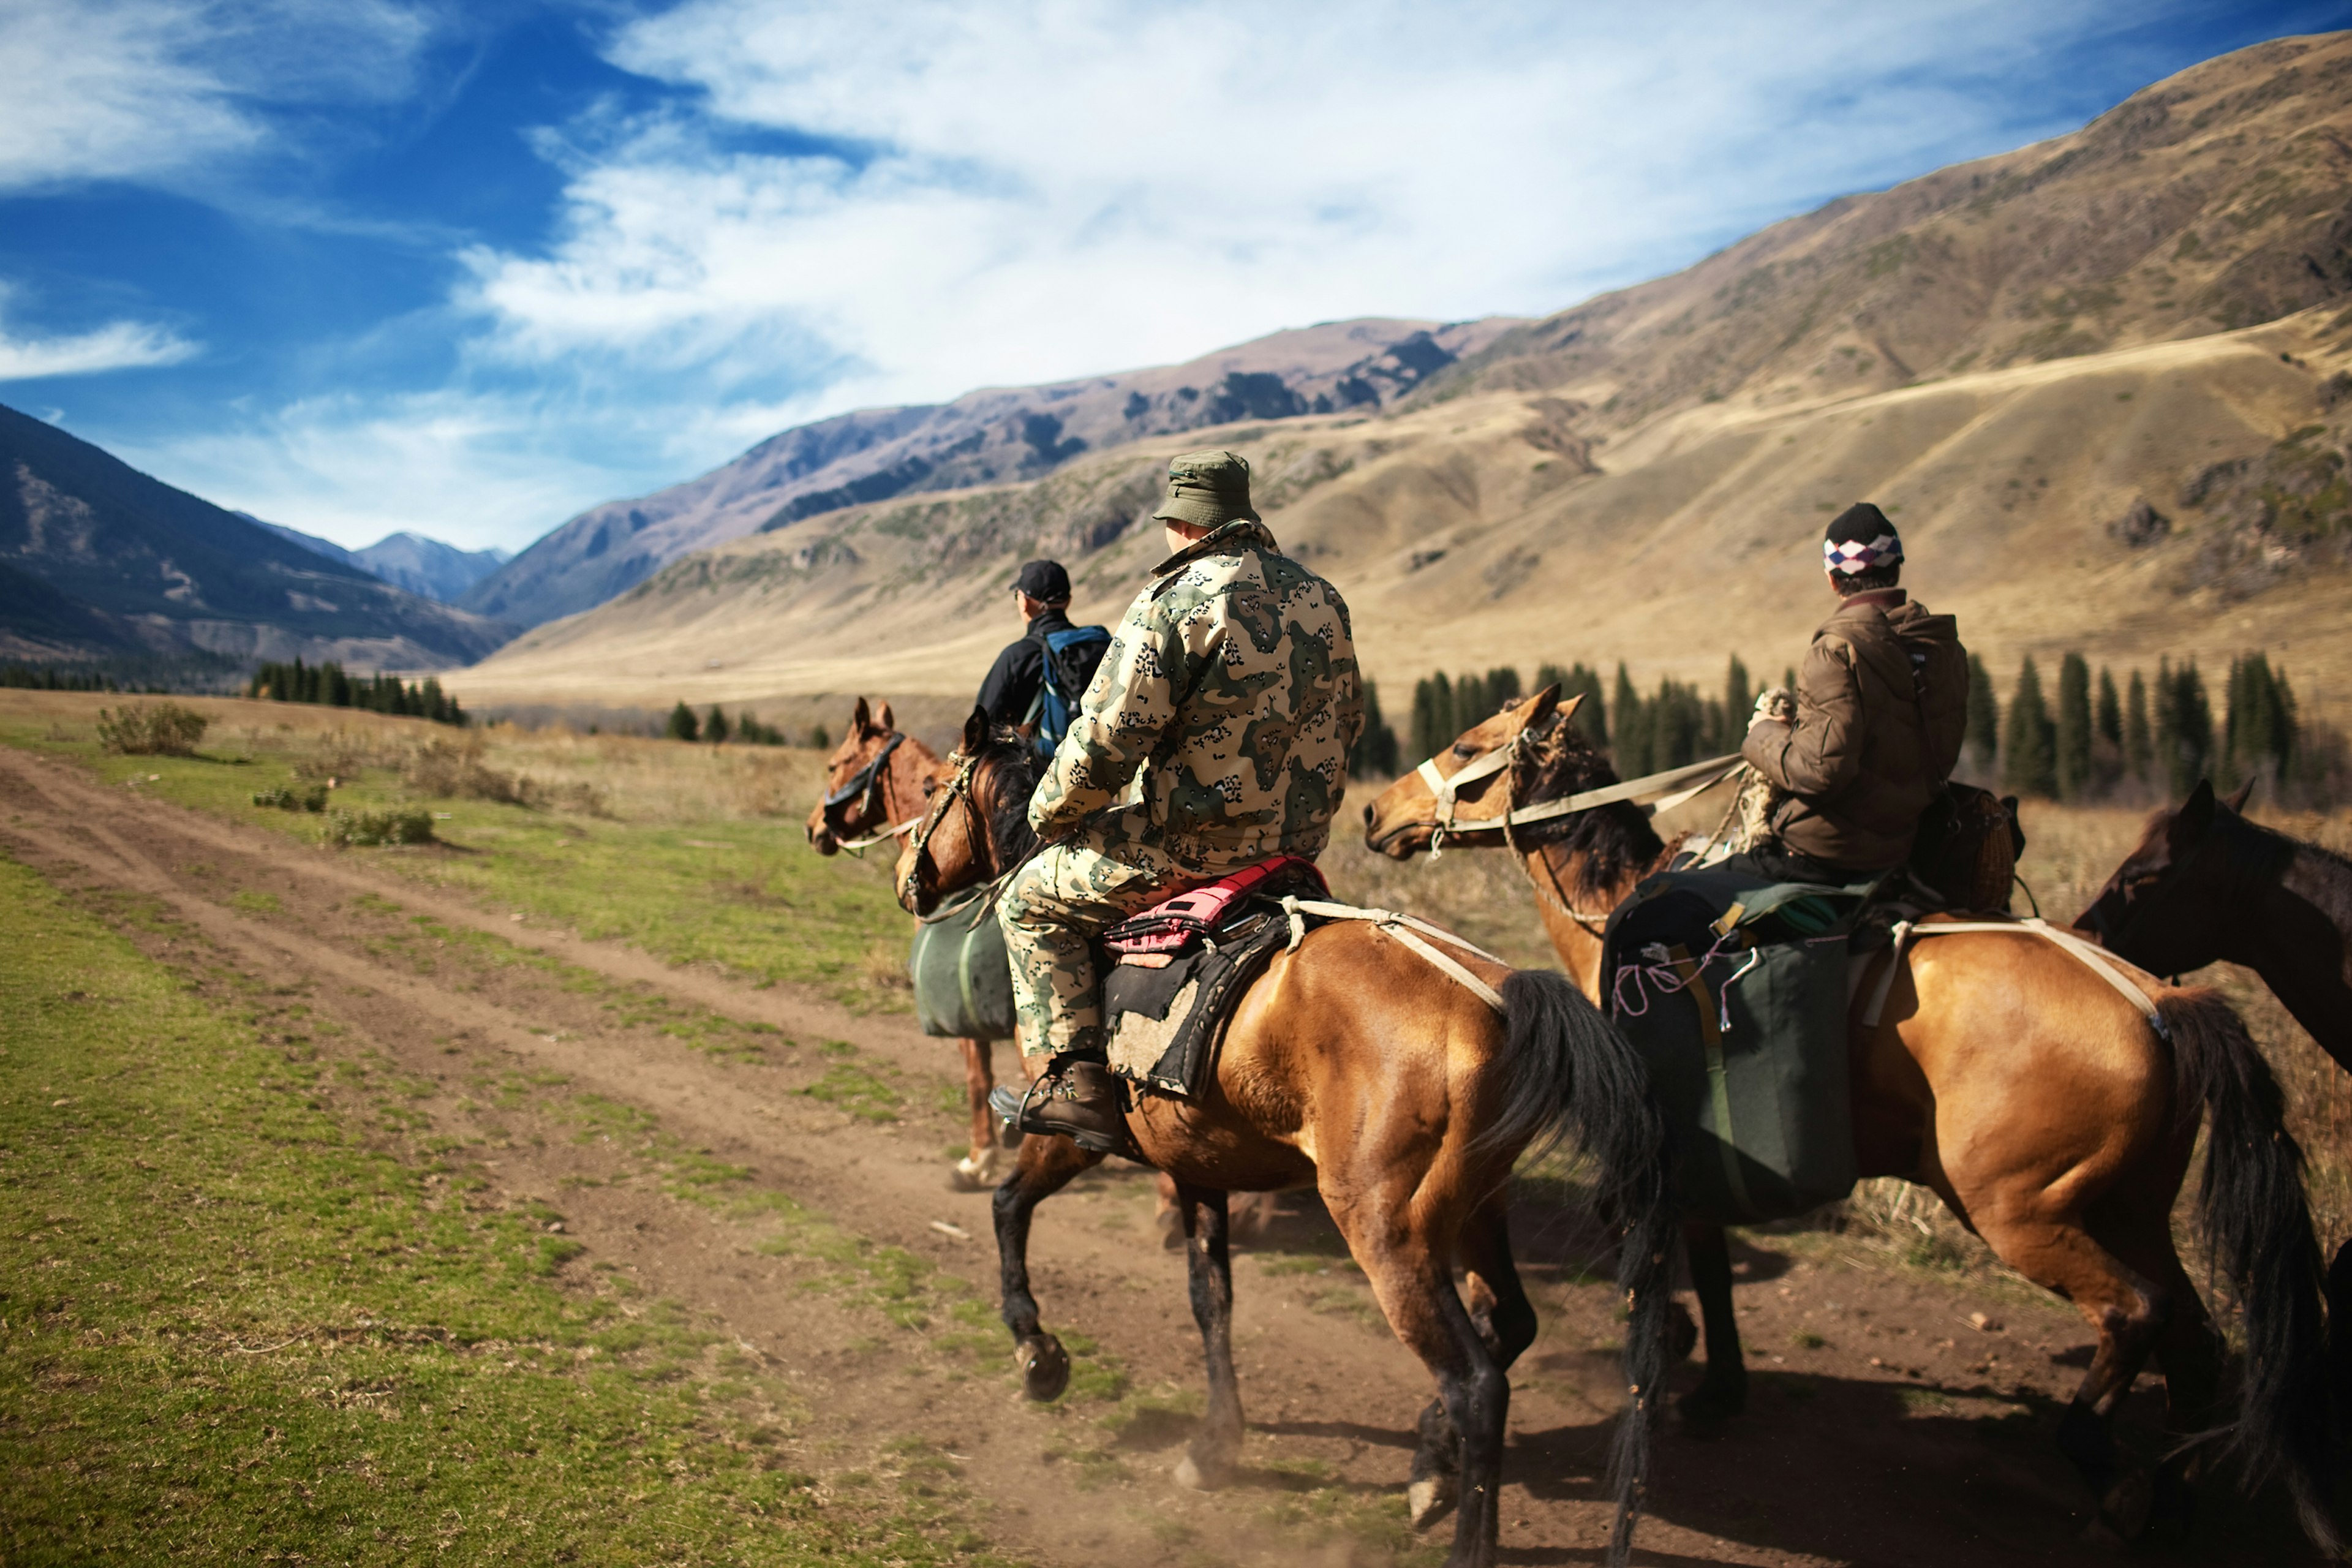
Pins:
<point x="1182" y="964"/>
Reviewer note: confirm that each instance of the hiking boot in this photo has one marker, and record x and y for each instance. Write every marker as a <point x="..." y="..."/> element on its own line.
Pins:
<point x="1077" y="1099"/>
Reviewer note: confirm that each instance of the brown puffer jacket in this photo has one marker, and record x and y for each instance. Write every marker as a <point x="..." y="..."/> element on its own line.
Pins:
<point x="1872" y="741"/>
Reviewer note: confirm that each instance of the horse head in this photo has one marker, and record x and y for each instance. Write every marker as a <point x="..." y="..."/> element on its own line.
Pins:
<point x="1406" y="817"/>
<point x="858" y="782"/>
<point x="976" y="824"/>
<point x="2161" y="908"/>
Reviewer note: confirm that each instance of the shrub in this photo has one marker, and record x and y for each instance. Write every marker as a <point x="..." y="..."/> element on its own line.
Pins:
<point x="363" y="829"/>
<point x="284" y="799"/>
<point x="683" y="724"/>
<point x="454" y="770"/>
<point x="160" y="730"/>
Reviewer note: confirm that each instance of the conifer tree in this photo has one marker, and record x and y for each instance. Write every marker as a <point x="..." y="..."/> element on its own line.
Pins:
<point x="1375" y="753"/>
<point x="2138" y="747"/>
<point x="2029" y="763"/>
<point x="1503" y="686"/>
<point x="2260" y="733"/>
<point x="2074" y="733"/>
<point x="2107" y="724"/>
<point x="1592" y="717"/>
<point x="819" y="740"/>
<point x="714" y="728"/>
<point x="1629" y="727"/>
<point x="1470" y="703"/>
<point x="1983" y="723"/>
<point x="683" y="725"/>
<point x="1738" y="701"/>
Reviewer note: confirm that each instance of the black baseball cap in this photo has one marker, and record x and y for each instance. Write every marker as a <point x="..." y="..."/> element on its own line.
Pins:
<point x="1044" y="581"/>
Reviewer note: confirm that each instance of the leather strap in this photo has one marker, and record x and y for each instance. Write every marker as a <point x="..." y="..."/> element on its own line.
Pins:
<point x="1403" y="927"/>
<point x="2114" y="971"/>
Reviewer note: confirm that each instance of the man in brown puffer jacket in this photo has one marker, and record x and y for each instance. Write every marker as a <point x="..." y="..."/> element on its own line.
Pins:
<point x="1881" y="708"/>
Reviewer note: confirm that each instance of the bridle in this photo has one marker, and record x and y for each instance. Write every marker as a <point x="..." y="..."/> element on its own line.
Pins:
<point x="958" y="786"/>
<point x="1654" y="793"/>
<point x="864" y="786"/>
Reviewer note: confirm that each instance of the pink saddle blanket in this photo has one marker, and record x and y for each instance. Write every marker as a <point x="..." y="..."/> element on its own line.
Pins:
<point x="1174" y="925"/>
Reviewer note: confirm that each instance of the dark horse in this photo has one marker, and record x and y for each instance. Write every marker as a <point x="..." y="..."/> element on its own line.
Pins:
<point x="2053" y="1118"/>
<point x="2207" y="885"/>
<point x="1355" y="1064"/>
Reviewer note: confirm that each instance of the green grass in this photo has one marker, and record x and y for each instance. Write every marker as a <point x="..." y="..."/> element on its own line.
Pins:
<point x="763" y="905"/>
<point x="230" y="1328"/>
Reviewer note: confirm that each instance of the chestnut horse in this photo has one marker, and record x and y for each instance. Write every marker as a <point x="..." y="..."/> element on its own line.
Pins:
<point x="2207" y="885"/>
<point x="1355" y="1064"/>
<point x="876" y="780"/>
<point x="2044" y="1108"/>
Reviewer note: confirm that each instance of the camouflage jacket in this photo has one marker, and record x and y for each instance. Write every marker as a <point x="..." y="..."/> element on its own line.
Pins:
<point x="1231" y="683"/>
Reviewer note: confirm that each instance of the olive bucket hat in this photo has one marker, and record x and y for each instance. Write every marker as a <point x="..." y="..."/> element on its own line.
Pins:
<point x="1206" y="489"/>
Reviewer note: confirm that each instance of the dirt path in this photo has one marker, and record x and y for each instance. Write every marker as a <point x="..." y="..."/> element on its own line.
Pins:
<point x="1883" y="1427"/>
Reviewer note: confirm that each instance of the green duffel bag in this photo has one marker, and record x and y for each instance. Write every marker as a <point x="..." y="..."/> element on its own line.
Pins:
<point x="964" y="980"/>
<point x="1733" y="990"/>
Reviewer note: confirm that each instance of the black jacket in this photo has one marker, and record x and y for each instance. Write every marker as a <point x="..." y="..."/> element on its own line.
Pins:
<point x="1011" y="683"/>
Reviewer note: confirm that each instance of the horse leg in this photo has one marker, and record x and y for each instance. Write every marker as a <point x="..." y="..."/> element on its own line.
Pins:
<point x="2129" y="1313"/>
<point x="1169" y="1215"/>
<point x="1413" y="1283"/>
<point x="1505" y="1319"/>
<point x="1722" y="1392"/>
<point x="978" y="1170"/>
<point x="1046" y="1167"/>
<point x="2189" y="1349"/>
<point x="1208" y="1460"/>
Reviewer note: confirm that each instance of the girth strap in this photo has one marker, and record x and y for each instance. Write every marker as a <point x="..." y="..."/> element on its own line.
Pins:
<point x="1403" y="927"/>
<point x="2114" y="971"/>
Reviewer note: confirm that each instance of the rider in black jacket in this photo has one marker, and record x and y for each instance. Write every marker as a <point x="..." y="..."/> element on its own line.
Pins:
<point x="1042" y="591"/>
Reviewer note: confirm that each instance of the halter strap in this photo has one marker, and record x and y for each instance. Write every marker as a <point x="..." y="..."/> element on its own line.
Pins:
<point x="864" y="780"/>
<point x="1653" y="792"/>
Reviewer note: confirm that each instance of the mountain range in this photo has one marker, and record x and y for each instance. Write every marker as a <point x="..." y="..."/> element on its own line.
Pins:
<point x="97" y="557"/>
<point x="982" y="437"/>
<point x="424" y="566"/>
<point x="2099" y="381"/>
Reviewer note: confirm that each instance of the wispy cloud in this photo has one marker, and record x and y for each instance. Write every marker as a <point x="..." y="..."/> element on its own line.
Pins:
<point x="118" y="346"/>
<point x="1047" y="187"/>
<point x="158" y="89"/>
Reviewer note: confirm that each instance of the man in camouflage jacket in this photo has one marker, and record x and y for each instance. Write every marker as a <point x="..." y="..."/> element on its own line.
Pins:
<point x="1231" y="686"/>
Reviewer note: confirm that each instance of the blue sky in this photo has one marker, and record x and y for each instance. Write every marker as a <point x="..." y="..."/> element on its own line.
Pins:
<point x="469" y="267"/>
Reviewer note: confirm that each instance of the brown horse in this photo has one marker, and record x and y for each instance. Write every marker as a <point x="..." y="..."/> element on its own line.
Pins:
<point x="877" y="780"/>
<point x="2207" y="885"/>
<point x="1355" y="1065"/>
<point x="2036" y="1100"/>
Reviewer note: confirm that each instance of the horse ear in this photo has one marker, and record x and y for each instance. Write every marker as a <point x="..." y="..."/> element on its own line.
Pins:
<point x="2190" y="823"/>
<point x="859" y="721"/>
<point x="1540" y="707"/>
<point x="2238" y="796"/>
<point x="885" y="719"/>
<point x="975" y="732"/>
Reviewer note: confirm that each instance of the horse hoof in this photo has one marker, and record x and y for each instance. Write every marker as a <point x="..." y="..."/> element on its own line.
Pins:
<point x="1682" y="1334"/>
<point x="2123" y="1512"/>
<point x="1427" y="1501"/>
<point x="1044" y="1368"/>
<point x="963" y="1176"/>
<point x="1192" y="1475"/>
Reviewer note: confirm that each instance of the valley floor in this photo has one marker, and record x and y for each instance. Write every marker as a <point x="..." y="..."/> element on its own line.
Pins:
<point x="663" y="1253"/>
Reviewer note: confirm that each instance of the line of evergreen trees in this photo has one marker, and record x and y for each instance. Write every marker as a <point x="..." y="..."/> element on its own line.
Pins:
<point x="327" y="686"/>
<point x="744" y="729"/>
<point x="2095" y="739"/>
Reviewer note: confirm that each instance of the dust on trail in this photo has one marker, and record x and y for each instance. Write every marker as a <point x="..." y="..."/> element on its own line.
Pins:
<point x="1883" y="1427"/>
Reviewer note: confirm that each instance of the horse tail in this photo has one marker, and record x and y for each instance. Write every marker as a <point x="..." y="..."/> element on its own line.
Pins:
<point x="1568" y="1072"/>
<point x="2257" y="1222"/>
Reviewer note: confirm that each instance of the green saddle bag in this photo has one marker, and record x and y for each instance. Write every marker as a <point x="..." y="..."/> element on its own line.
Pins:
<point x="963" y="975"/>
<point x="1733" y="990"/>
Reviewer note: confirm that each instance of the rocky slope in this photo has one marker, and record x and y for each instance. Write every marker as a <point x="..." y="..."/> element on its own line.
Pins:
<point x="96" y="557"/>
<point x="2033" y="361"/>
<point x="983" y="437"/>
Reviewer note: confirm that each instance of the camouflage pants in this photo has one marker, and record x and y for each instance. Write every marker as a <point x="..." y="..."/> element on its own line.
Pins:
<point x="1055" y="907"/>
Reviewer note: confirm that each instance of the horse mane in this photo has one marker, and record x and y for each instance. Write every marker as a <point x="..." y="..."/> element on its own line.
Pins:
<point x="1610" y="845"/>
<point x="1016" y="767"/>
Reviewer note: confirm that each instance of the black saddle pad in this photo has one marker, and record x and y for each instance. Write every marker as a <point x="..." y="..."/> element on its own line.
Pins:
<point x="1167" y="1021"/>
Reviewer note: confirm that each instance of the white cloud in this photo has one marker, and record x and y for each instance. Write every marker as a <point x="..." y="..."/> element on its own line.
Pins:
<point x="1049" y="188"/>
<point x="118" y="346"/>
<point x="161" y="89"/>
